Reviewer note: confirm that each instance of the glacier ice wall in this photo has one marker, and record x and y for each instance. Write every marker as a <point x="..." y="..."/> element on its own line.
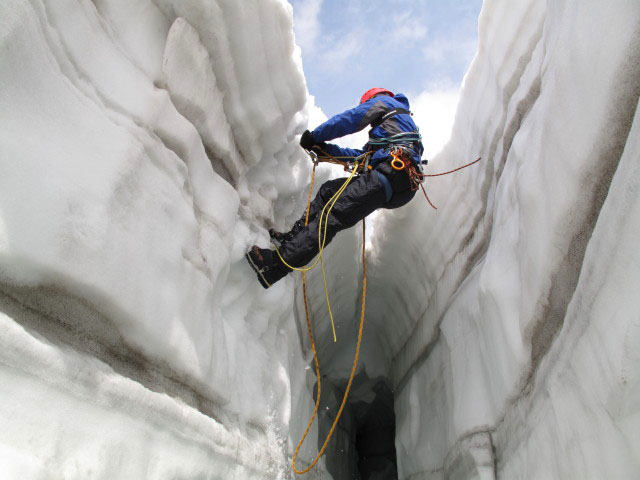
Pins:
<point x="145" y="145"/>
<point x="511" y="320"/>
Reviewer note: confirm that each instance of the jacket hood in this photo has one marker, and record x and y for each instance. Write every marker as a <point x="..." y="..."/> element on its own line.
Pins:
<point x="402" y="99"/>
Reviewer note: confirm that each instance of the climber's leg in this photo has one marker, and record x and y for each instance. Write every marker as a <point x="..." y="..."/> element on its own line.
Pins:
<point x="325" y="192"/>
<point x="362" y="196"/>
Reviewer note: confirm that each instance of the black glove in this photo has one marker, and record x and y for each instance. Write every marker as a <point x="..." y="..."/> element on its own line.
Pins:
<point x="307" y="141"/>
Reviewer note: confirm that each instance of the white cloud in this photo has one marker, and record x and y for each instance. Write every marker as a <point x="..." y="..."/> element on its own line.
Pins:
<point x="306" y="24"/>
<point x="339" y="52"/>
<point x="434" y="111"/>
<point x="451" y="51"/>
<point x="331" y="52"/>
<point x="355" y="140"/>
<point x="407" y="28"/>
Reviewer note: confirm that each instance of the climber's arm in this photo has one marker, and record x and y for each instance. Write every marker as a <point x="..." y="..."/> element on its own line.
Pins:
<point x="350" y="121"/>
<point x="336" y="151"/>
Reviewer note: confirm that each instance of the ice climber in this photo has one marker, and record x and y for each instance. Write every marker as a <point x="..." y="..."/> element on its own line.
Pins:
<point x="381" y="186"/>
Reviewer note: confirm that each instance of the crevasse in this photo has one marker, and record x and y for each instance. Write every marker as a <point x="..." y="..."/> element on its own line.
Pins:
<point x="145" y="145"/>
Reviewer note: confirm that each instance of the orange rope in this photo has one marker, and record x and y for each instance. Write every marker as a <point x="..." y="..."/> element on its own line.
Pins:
<point x="427" y="197"/>
<point x="315" y="354"/>
<point x="454" y="170"/>
<point x="423" y="176"/>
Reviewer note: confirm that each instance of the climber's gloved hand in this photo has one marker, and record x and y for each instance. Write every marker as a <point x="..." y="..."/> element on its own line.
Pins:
<point x="307" y="141"/>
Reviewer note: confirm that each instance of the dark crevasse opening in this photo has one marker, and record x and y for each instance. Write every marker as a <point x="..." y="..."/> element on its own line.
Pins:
<point x="363" y="445"/>
<point x="375" y="435"/>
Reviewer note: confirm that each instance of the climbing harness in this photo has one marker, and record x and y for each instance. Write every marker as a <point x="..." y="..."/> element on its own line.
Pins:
<point x="417" y="179"/>
<point x="405" y="139"/>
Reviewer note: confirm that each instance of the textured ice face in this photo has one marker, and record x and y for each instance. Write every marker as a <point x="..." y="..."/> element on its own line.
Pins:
<point x="144" y="146"/>
<point x="498" y="348"/>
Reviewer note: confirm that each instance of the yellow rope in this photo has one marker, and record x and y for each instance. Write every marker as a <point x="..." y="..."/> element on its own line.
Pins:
<point x="315" y="358"/>
<point x="321" y="244"/>
<point x="322" y="239"/>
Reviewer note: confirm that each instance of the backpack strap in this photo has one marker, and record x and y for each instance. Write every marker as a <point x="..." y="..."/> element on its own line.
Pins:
<point x="386" y="116"/>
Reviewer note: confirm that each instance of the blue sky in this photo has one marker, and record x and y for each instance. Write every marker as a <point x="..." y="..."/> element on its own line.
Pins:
<point x="349" y="46"/>
<point x="419" y="47"/>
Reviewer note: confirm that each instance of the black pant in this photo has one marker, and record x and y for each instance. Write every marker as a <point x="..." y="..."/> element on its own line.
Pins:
<point x="363" y="195"/>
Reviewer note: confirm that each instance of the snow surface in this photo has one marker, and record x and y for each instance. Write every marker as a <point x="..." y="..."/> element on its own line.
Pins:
<point x="145" y="145"/>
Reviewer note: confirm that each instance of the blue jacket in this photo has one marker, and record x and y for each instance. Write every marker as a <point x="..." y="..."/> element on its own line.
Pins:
<point x="358" y="118"/>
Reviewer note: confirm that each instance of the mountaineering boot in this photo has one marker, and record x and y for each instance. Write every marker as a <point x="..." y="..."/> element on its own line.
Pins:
<point x="267" y="265"/>
<point x="288" y="236"/>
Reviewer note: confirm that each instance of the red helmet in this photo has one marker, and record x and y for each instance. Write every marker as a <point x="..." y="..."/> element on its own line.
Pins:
<point x="369" y="94"/>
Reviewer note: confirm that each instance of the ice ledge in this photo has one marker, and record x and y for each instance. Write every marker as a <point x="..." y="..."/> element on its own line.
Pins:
<point x="91" y="417"/>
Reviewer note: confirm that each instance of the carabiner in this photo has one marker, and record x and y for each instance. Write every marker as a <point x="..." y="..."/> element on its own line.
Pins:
<point x="313" y="156"/>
